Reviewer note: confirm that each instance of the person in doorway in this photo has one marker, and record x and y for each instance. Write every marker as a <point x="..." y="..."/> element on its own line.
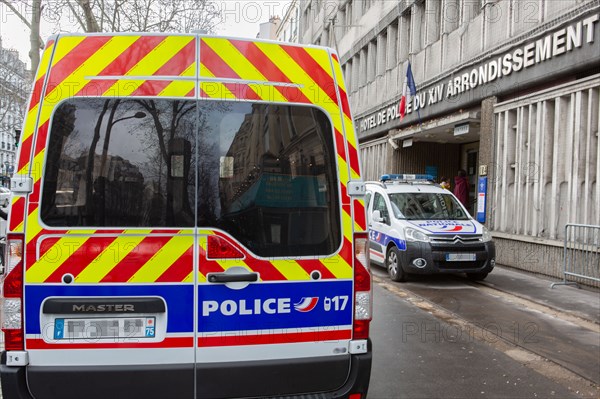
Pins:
<point x="445" y="183"/>
<point x="461" y="187"/>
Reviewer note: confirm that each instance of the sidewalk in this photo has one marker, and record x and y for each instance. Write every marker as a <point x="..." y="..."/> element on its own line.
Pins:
<point x="581" y="302"/>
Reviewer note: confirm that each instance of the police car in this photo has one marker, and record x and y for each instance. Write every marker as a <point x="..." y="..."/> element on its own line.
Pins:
<point x="415" y="226"/>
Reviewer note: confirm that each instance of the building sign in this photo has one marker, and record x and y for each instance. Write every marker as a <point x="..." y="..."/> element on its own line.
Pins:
<point x="528" y="55"/>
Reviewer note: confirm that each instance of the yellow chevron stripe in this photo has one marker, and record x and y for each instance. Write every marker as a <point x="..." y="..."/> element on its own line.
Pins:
<point x="338" y="267"/>
<point x="244" y="68"/>
<point x="189" y="278"/>
<point x="148" y="65"/>
<point x="310" y="88"/>
<point x="33" y="226"/>
<point x="55" y="256"/>
<point x="111" y="255"/>
<point x="30" y="122"/>
<point x="291" y="270"/>
<point x="67" y="44"/>
<point x="214" y="89"/>
<point x="162" y="260"/>
<point x="43" y="66"/>
<point x="177" y="88"/>
<point x="91" y="67"/>
<point x="180" y="88"/>
<point x="339" y="76"/>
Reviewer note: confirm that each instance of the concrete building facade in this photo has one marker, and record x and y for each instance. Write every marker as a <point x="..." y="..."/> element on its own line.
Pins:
<point x="506" y="89"/>
<point x="14" y="87"/>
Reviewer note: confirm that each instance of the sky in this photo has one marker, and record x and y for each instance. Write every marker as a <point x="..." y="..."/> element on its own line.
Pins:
<point x="240" y="18"/>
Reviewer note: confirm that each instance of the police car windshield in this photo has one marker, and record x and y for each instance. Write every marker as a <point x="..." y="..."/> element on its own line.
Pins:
<point x="426" y="206"/>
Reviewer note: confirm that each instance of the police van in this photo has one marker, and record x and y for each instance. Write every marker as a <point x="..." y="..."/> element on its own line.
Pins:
<point x="417" y="227"/>
<point x="187" y="221"/>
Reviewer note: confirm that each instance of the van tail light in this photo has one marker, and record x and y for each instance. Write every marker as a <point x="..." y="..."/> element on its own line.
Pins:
<point x="363" y="293"/>
<point x="12" y="290"/>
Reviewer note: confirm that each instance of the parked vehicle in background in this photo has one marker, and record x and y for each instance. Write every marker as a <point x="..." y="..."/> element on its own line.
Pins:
<point x="198" y="230"/>
<point x="4" y="197"/>
<point x="418" y="227"/>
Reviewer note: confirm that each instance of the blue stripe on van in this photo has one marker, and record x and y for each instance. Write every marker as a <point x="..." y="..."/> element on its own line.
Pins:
<point x="179" y="299"/>
<point x="266" y="306"/>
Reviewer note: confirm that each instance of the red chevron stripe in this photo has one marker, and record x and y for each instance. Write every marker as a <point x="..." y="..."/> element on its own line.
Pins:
<point x="215" y="63"/>
<point x="132" y="55"/>
<point x="347" y="252"/>
<point x="344" y="100"/>
<point x="359" y="215"/>
<point x="311" y="265"/>
<point x="169" y="342"/>
<point x="269" y="70"/>
<point x="316" y="71"/>
<point x="353" y="155"/>
<point x="208" y="266"/>
<point x="70" y="62"/>
<point x="135" y="259"/>
<point x="173" y="67"/>
<point x="37" y="92"/>
<point x="17" y="213"/>
<point x="25" y="152"/>
<point x="81" y="258"/>
<point x="218" y="67"/>
<point x="243" y="338"/>
<point x="180" y="269"/>
<point x="340" y="144"/>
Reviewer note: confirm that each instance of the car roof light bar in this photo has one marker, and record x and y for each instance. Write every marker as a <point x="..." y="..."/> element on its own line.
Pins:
<point x="406" y="178"/>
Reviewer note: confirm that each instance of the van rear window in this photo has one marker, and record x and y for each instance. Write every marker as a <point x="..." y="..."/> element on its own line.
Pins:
<point x="265" y="173"/>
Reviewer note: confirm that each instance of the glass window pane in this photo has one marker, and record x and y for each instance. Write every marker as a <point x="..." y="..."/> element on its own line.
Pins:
<point x="267" y="176"/>
<point x="110" y="163"/>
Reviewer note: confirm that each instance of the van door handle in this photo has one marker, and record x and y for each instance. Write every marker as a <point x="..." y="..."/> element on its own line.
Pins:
<point x="231" y="278"/>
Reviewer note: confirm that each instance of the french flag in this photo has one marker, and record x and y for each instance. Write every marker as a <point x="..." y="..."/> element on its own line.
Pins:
<point x="409" y="84"/>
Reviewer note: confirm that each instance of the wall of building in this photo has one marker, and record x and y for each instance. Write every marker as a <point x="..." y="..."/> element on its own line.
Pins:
<point x="521" y="73"/>
<point x="14" y="90"/>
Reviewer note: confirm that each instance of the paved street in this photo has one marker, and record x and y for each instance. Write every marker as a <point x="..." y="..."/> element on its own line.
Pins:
<point x="447" y="337"/>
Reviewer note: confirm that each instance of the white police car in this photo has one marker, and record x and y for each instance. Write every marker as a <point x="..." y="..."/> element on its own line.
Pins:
<point x="415" y="226"/>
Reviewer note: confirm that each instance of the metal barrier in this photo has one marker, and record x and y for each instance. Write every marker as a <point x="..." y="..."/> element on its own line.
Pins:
<point x="581" y="253"/>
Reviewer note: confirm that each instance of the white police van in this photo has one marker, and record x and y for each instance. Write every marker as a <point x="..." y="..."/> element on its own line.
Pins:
<point x="415" y="226"/>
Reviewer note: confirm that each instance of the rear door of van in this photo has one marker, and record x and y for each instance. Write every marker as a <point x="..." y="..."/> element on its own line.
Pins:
<point x="275" y="295"/>
<point x="110" y="243"/>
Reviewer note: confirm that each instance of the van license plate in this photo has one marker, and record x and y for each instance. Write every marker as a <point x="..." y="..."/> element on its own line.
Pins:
<point x="105" y="328"/>
<point x="460" y="257"/>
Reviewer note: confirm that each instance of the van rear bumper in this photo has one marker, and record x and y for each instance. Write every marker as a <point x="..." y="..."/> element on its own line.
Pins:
<point x="280" y="378"/>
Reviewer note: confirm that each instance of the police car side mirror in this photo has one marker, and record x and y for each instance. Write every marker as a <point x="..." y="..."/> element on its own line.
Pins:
<point x="377" y="217"/>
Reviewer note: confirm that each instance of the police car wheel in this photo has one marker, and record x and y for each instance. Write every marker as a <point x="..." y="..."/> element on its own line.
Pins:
<point x="392" y="263"/>
<point x="476" y="276"/>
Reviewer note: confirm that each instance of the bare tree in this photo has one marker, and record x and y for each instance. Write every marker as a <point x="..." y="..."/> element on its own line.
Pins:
<point x="114" y="16"/>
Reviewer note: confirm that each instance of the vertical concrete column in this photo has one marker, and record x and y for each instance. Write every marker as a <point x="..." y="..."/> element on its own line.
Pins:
<point x="486" y="150"/>
<point x="392" y="46"/>
<point x="450" y="15"/>
<point x="403" y="37"/>
<point x="432" y="21"/>
<point x="415" y="27"/>
<point x="390" y="156"/>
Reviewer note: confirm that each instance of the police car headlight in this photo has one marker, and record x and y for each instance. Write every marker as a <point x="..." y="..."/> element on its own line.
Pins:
<point x="415" y="235"/>
<point x="486" y="235"/>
